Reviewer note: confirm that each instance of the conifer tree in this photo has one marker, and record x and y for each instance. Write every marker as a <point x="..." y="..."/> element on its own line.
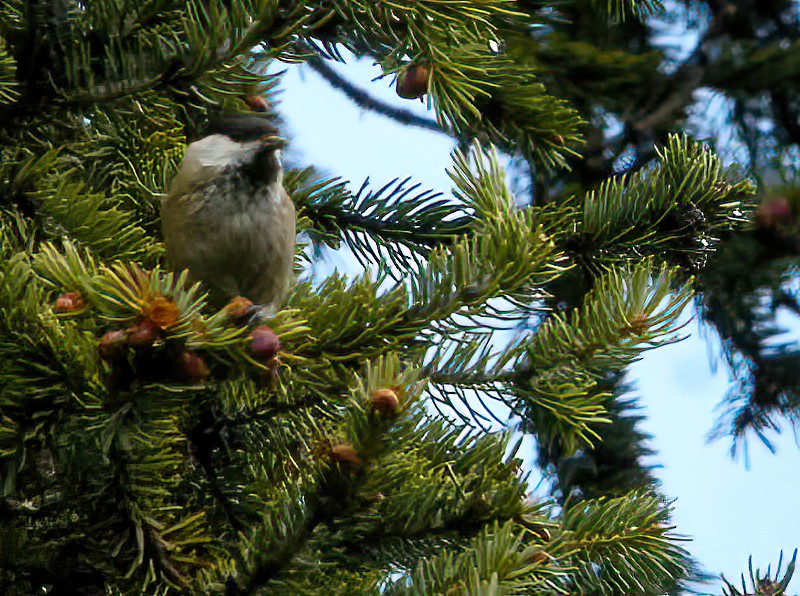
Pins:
<point x="149" y="443"/>
<point x="722" y="71"/>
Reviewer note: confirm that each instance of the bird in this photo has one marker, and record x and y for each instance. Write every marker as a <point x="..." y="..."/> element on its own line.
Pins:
<point x="226" y="217"/>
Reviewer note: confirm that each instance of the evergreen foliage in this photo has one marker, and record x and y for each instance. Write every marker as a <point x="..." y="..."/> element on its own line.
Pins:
<point x="183" y="462"/>
<point x="633" y="87"/>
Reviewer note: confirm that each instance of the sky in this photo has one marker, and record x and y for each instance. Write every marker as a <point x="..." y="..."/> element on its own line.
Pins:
<point x="730" y="510"/>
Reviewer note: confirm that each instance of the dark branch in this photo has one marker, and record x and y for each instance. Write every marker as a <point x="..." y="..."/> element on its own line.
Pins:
<point x="445" y="232"/>
<point x="274" y="564"/>
<point x="363" y="100"/>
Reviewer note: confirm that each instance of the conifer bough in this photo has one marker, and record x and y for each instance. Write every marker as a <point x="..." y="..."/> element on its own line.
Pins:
<point x="142" y="448"/>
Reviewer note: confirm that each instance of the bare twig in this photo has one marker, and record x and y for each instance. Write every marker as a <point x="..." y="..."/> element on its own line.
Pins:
<point x="364" y="100"/>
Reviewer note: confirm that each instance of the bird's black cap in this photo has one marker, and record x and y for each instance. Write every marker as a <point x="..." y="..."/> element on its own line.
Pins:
<point x="243" y="128"/>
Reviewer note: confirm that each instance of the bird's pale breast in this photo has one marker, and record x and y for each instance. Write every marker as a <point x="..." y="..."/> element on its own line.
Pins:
<point x="235" y="236"/>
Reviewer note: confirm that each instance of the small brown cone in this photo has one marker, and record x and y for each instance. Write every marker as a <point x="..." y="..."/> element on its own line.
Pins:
<point x="190" y="368"/>
<point x="345" y="453"/>
<point x="384" y="401"/>
<point x="412" y="82"/>
<point x="238" y="309"/>
<point x="774" y="212"/>
<point x="264" y="344"/>
<point x="143" y="334"/>
<point x="113" y="345"/>
<point x="256" y="103"/>
<point x="69" y="302"/>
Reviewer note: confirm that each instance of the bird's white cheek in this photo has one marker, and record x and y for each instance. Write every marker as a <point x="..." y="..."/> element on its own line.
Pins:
<point x="209" y="157"/>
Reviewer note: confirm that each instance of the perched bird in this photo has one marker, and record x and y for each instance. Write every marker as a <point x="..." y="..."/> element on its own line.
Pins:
<point x="227" y="218"/>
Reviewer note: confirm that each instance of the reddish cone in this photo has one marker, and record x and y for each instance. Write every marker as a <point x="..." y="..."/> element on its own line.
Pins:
<point x="412" y="82"/>
<point x="69" y="302"/>
<point x="143" y="334"/>
<point x="264" y="344"/>
<point x="190" y="368"/>
<point x="113" y="345"/>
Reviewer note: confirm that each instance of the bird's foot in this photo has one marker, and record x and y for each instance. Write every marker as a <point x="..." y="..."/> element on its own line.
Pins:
<point x="259" y="314"/>
<point x="242" y="311"/>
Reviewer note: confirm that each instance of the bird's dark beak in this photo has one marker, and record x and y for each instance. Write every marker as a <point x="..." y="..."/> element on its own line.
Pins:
<point x="272" y="142"/>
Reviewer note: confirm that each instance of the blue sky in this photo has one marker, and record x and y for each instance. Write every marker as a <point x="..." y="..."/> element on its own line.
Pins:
<point x="730" y="511"/>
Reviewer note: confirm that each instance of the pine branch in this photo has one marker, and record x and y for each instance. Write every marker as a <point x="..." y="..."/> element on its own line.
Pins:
<point x="288" y="543"/>
<point x="763" y="585"/>
<point x="92" y="218"/>
<point x="477" y="92"/>
<point x="130" y="151"/>
<point x="507" y="256"/>
<point x="495" y="562"/>
<point x="675" y="211"/>
<point x="9" y="92"/>
<point x="397" y="222"/>
<point x="626" y="311"/>
<point x="551" y="378"/>
<point x="303" y="502"/>
<point x="607" y="546"/>
<point x="164" y="540"/>
<point x="620" y="9"/>
<point x="623" y="545"/>
<point x="616" y="465"/>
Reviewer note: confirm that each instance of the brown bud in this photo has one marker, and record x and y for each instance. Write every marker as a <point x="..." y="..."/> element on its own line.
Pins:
<point x="163" y="311"/>
<point x="344" y="452"/>
<point x="238" y="308"/>
<point x="264" y="343"/>
<point x="384" y="402"/>
<point x="113" y="345"/>
<point x="774" y="212"/>
<point x="412" y="82"/>
<point x="69" y="302"/>
<point x="190" y="368"/>
<point x="539" y="558"/>
<point x="143" y="334"/>
<point x="256" y="103"/>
